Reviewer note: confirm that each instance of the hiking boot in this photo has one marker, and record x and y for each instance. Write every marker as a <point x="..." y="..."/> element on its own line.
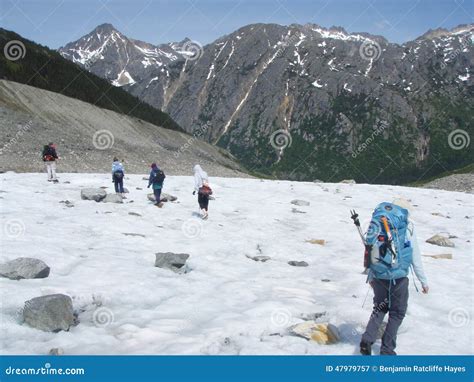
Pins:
<point x="365" y="348"/>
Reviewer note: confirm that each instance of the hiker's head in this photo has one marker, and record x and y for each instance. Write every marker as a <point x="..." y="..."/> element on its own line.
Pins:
<point x="115" y="159"/>
<point x="51" y="144"/>
<point x="400" y="202"/>
<point x="154" y="166"/>
<point x="197" y="168"/>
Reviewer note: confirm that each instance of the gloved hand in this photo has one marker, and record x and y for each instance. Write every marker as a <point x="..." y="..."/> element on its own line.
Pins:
<point x="148" y="186"/>
<point x="194" y="192"/>
<point x="425" y="289"/>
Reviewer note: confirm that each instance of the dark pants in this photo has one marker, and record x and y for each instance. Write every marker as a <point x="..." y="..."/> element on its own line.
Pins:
<point x="203" y="201"/>
<point x="118" y="183"/>
<point x="391" y="297"/>
<point x="157" y="193"/>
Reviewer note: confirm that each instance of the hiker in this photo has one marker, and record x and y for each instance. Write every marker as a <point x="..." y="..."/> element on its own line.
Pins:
<point x="157" y="177"/>
<point x="388" y="273"/>
<point x="49" y="159"/>
<point x="201" y="186"/>
<point x="117" y="177"/>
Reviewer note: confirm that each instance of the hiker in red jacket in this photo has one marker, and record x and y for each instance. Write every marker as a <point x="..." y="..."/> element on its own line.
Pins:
<point x="49" y="159"/>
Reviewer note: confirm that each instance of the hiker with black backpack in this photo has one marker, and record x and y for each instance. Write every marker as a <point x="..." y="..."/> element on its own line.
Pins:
<point x="156" y="179"/>
<point x="201" y="186"/>
<point x="49" y="156"/>
<point x="117" y="176"/>
<point x="391" y="249"/>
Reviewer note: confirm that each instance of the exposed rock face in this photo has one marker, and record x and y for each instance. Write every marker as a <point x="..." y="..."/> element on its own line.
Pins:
<point x="298" y="263"/>
<point x="50" y="313"/>
<point x="302" y="91"/>
<point x="298" y="202"/>
<point x="24" y="268"/>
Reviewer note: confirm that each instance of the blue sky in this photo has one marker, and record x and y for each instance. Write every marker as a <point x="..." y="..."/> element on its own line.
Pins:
<point x="57" y="22"/>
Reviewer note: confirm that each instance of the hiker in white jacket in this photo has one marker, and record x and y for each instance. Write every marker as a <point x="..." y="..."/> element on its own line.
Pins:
<point x="201" y="186"/>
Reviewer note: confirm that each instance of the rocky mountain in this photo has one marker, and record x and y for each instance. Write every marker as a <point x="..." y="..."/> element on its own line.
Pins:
<point x="306" y="102"/>
<point x="88" y="137"/>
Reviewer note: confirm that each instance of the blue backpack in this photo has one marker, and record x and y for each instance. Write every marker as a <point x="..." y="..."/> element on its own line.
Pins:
<point x="391" y="252"/>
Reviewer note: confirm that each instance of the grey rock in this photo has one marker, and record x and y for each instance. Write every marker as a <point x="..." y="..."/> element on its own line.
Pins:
<point x="173" y="261"/>
<point x="440" y="240"/>
<point x="297" y="211"/>
<point x="312" y="316"/>
<point x="300" y="203"/>
<point x="56" y="351"/>
<point x="113" y="198"/>
<point x="96" y="194"/>
<point x="51" y="313"/>
<point x="24" y="268"/>
<point x="168" y="198"/>
<point x="348" y="181"/>
<point x="298" y="263"/>
<point x="259" y="258"/>
<point x="134" y="214"/>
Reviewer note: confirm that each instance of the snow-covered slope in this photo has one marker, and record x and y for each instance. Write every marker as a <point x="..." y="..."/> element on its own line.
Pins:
<point x="227" y="303"/>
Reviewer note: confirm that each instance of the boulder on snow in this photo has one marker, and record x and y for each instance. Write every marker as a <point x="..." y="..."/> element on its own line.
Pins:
<point x="448" y="256"/>
<point x="168" y="198"/>
<point x="164" y="198"/>
<point x="113" y="198"/>
<point x="298" y="263"/>
<point x="259" y="258"/>
<point x="323" y="334"/>
<point x="96" y="194"/>
<point x="440" y="240"/>
<point x="50" y="313"/>
<point x="56" y="351"/>
<point x="348" y="181"/>
<point x="317" y="241"/>
<point x="173" y="261"/>
<point x="24" y="268"/>
<point x="297" y="211"/>
<point x="299" y="202"/>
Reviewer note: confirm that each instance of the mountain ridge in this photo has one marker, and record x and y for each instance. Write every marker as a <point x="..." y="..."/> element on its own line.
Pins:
<point x="328" y="91"/>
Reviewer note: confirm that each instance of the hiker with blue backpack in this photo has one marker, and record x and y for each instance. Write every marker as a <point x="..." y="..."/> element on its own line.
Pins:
<point x="118" y="174"/>
<point x="391" y="249"/>
<point x="156" y="179"/>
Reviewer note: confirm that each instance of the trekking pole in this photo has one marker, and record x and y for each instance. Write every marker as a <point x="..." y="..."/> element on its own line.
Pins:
<point x="355" y="218"/>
